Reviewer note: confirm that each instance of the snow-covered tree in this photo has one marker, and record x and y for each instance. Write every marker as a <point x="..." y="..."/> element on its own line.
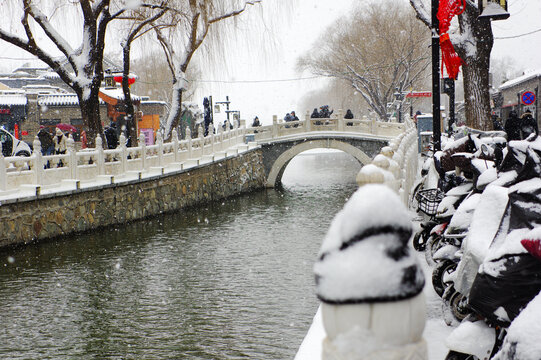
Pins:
<point x="195" y="17"/>
<point x="473" y="40"/>
<point x="380" y="50"/>
<point x="42" y="31"/>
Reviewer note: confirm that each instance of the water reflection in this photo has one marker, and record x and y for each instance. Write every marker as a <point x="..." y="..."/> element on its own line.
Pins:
<point x="229" y="280"/>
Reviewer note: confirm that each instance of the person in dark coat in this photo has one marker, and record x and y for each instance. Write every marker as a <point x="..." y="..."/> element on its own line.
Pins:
<point x="512" y="126"/>
<point x="256" y="123"/>
<point x="111" y="136"/>
<point x="528" y="125"/>
<point x="349" y="115"/>
<point x="315" y="114"/>
<point x="46" y="140"/>
<point x="496" y="123"/>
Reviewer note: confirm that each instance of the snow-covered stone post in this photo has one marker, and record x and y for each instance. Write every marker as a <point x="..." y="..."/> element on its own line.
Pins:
<point x="274" y="126"/>
<point x="212" y="138"/>
<point x="3" y="173"/>
<point x="189" y="139"/>
<point x="101" y="155"/>
<point x="340" y="120"/>
<point x="123" y="154"/>
<point x="159" y="139"/>
<point x="143" y="145"/>
<point x="72" y="157"/>
<point x="174" y="134"/>
<point x="201" y="138"/>
<point x="307" y="124"/>
<point x="373" y="126"/>
<point x="370" y="283"/>
<point x="38" y="161"/>
<point x="221" y="137"/>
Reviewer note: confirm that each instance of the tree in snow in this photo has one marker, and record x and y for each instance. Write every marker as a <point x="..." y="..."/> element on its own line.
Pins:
<point x="380" y="50"/>
<point x="473" y="42"/>
<point x="141" y="21"/>
<point x="180" y="43"/>
<point x="42" y="32"/>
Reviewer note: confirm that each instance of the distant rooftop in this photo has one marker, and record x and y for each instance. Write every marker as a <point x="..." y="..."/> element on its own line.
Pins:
<point x="520" y="79"/>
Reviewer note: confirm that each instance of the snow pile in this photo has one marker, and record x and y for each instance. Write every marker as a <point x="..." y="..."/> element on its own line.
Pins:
<point x="364" y="256"/>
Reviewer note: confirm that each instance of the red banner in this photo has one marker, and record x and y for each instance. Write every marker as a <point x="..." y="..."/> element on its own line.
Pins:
<point x="419" y="94"/>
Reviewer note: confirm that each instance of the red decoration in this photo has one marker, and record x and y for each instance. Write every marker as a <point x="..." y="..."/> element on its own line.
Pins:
<point x="118" y="79"/>
<point x="446" y="11"/>
<point x="533" y="247"/>
<point x="449" y="57"/>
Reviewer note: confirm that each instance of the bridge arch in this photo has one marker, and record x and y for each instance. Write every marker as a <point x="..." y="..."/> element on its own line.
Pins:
<point x="276" y="172"/>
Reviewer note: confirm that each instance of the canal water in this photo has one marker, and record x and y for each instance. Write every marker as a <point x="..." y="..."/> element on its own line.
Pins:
<point x="228" y="280"/>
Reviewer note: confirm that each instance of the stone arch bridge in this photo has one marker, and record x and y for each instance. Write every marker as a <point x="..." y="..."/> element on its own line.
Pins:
<point x="277" y="153"/>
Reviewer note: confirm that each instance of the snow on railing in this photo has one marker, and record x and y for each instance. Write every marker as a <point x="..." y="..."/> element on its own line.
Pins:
<point x="396" y="165"/>
<point x="280" y="128"/>
<point x="87" y="165"/>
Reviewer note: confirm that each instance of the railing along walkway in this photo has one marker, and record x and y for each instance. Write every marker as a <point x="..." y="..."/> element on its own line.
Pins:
<point x="38" y="174"/>
<point x="336" y="124"/>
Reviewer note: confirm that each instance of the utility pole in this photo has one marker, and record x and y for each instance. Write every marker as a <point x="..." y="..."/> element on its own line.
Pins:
<point x="436" y="129"/>
<point x="226" y="102"/>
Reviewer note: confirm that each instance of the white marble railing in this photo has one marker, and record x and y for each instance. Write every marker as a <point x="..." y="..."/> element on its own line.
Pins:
<point x="76" y="167"/>
<point x="396" y="167"/>
<point x="90" y="164"/>
<point x="336" y="123"/>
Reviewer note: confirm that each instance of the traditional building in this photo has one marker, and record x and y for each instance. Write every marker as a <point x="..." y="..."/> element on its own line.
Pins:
<point x="520" y="94"/>
<point x="31" y="97"/>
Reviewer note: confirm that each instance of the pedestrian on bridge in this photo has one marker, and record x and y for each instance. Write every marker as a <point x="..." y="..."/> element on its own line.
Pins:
<point x="349" y="115"/>
<point x="256" y="123"/>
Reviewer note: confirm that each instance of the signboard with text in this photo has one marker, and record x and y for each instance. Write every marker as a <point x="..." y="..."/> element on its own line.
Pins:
<point x="419" y="94"/>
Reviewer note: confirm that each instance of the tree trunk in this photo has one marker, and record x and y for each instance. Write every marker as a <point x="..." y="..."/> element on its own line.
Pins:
<point x="475" y="51"/>
<point x="175" y="114"/>
<point x="128" y="103"/>
<point x="90" y="113"/>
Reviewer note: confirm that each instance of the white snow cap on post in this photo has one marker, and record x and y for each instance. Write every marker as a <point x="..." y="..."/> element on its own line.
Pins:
<point x="364" y="257"/>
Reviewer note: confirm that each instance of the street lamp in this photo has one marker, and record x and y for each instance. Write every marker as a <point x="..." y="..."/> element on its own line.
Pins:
<point x="493" y="9"/>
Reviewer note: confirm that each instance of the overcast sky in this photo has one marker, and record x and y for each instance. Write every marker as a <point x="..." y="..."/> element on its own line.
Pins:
<point x="251" y="77"/>
<point x="309" y="21"/>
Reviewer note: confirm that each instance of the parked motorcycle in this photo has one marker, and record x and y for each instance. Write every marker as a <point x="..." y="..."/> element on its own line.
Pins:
<point x="504" y="258"/>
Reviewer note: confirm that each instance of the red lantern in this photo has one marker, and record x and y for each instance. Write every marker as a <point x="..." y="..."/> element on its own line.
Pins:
<point x="118" y="79"/>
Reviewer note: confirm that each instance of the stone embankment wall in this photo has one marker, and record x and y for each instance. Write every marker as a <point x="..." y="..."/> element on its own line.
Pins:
<point x="52" y="215"/>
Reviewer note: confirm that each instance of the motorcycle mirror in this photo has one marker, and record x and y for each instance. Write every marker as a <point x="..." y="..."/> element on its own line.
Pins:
<point x="484" y="149"/>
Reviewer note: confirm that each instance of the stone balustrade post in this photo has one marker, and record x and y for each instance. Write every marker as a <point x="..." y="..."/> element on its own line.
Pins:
<point x="101" y="155"/>
<point x="174" y="135"/>
<point x="143" y="155"/>
<point x="72" y="157"/>
<point x="201" y="137"/>
<point x="37" y="163"/>
<point x="340" y="120"/>
<point x="212" y="138"/>
<point x="365" y="313"/>
<point x="373" y="126"/>
<point x="3" y="173"/>
<point x="159" y="139"/>
<point x="220" y="134"/>
<point x="274" y="126"/>
<point x="189" y="139"/>
<point x="307" y="122"/>
<point x="123" y="154"/>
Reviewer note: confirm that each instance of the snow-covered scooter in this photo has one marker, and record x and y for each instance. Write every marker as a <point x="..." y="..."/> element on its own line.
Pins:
<point x="509" y="276"/>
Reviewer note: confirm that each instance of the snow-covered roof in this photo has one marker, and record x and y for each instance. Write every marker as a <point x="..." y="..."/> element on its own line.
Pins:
<point x="60" y="100"/>
<point x="12" y="99"/>
<point x="117" y="93"/>
<point x="520" y="79"/>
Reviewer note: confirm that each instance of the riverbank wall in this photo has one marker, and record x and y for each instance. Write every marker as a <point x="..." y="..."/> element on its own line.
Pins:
<point x="112" y="201"/>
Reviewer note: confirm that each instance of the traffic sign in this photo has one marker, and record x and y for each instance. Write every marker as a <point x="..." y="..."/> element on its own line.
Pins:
<point x="527" y="98"/>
